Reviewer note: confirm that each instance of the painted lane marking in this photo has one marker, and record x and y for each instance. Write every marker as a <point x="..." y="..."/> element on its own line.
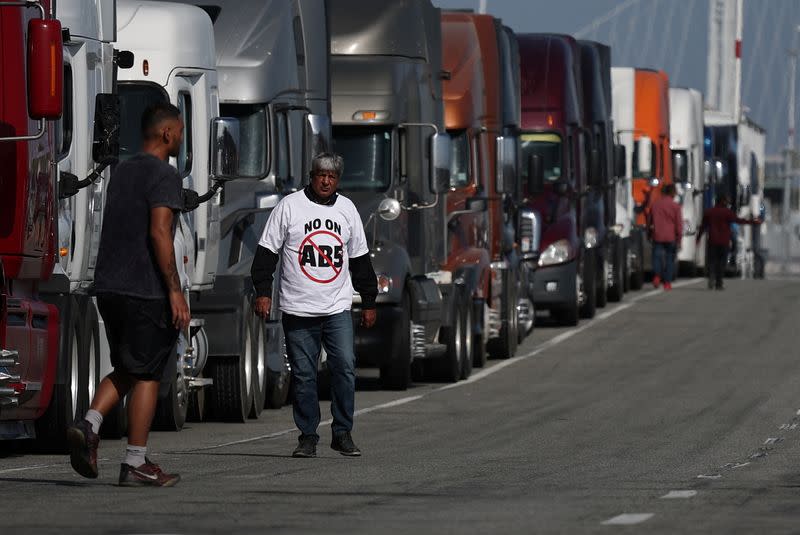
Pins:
<point x="628" y="519"/>
<point x="709" y="476"/>
<point x="679" y="495"/>
<point x="475" y="377"/>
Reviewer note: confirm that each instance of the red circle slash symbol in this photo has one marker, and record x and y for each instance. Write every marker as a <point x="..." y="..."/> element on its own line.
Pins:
<point x="321" y="253"/>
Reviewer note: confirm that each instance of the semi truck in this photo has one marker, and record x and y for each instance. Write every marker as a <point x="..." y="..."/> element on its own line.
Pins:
<point x="272" y="60"/>
<point x="31" y="100"/>
<point x="174" y="52"/>
<point x="601" y="216"/>
<point x="641" y="117"/>
<point x="477" y="251"/>
<point x="388" y="124"/>
<point x="686" y="144"/>
<point x="554" y="152"/>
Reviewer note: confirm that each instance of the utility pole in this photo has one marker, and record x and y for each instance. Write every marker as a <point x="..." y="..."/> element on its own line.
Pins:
<point x="789" y="159"/>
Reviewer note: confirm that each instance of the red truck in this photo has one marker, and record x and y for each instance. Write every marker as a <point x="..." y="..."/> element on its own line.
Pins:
<point x="558" y="175"/>
<point x="30" y="50"/>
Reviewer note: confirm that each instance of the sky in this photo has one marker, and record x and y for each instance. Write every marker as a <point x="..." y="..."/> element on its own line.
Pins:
<point x="673" y="35"/>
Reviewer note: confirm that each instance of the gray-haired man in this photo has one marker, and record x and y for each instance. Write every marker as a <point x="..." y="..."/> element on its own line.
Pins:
<point x="320" y="237"/>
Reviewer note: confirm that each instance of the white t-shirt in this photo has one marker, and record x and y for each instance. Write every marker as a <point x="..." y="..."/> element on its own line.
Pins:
<point x="315" y="242"/>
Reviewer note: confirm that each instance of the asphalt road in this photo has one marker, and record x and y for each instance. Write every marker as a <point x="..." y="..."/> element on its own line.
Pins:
<point x="690" y="394"/>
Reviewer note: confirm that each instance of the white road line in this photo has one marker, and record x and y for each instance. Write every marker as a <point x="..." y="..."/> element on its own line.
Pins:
<point x="679" y="494"/>
<point x="628" y="519"/>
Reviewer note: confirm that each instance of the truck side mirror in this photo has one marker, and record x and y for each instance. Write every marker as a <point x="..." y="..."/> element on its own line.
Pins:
<point x="680" y="169"/>
<point x="45" y="69"/>
<point x="105" y="141"/>
<point x="440" y="162"/>
<point x="123" y="58"/>
<point x="595" y="174"/>
<point x="535" y="175"/>
<point x="644" y="161"/>
<point x="225" y="144"/>
<point x="506" y="164"/>
<point x="620" y="161"/>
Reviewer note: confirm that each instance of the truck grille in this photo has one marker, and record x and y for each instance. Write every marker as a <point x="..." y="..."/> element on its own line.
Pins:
<point x="530" y="231"/>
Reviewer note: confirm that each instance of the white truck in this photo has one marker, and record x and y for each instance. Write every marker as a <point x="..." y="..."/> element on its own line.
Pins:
<point x="174" y="60"/>
<point x="86" y="144"/>
<point x="686" y="144"/>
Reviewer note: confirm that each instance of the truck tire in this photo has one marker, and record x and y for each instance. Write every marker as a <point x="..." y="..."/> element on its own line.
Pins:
<point x="172" y="410"/>
<point x="505" y="346"/>
<point x="601" y="286"/>
<point x="92" y="336"/>
<point x="468" y="335"/>
<point x="616" y="291"/>
<point x="259" y="373"/>
<point x="453" y="336"/>
<point x="589" y="307"/>
<point x="626" y="272"/>
<point x="278" y="383"/>
<point x="478" y="339"/>
<point x="395" y="372"/>
<point x="637" y="269"/>
<point x="68" y="401"/>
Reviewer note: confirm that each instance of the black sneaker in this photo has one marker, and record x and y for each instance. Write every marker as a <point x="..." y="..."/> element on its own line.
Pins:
<point x="83" y="443"/>
<point x="343" y="443"/>
<point x="147" y="475"/>
<point x="306" y="447"/>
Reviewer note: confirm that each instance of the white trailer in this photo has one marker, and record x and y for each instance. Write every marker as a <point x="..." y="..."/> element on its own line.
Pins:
<point x="686" y="144"/>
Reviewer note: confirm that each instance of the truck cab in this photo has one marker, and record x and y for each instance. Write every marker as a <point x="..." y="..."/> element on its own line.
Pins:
<point x="553" y="149"/>
<point x="388" y="125"/>
<point x="686" y="144"/>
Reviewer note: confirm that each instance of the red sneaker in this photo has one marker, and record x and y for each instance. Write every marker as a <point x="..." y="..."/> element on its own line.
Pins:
<point x="147" y="475"/>
<point x="667" y="286"/>
<point x="656" y="281"/>
<point x="83" y="443"/>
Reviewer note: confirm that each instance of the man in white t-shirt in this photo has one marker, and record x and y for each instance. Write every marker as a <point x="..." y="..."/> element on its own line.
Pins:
<point x="320" y="238"/>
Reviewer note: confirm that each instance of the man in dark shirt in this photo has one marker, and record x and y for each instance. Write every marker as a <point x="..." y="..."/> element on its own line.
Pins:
<point x="139" y="296"/>
<point x="717" y="221"/>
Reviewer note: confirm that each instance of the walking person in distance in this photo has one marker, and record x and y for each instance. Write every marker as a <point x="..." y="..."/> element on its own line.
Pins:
<point x="318" y="235"/>
<point x="666" y="221"/>
<point x="139" y="296"/>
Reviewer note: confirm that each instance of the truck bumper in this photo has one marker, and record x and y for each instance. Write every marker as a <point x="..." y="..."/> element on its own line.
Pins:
<point x="554" y="286"/>
<point x="374" y="344"/>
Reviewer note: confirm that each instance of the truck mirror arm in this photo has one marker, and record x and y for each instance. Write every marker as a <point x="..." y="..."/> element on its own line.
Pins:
<point x="191" y="199"/>
<point x="69" y="185"/>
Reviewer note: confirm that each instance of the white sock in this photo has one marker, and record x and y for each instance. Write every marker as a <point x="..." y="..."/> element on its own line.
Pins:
<point x="134" y="455"/>
<point x="94" y="418"/>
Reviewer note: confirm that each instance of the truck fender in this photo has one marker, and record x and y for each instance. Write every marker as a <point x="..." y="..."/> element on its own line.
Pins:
<point x="391" y="260"/>
<point x="426" y="303"/>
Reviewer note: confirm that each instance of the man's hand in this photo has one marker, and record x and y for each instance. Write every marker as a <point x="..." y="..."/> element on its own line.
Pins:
<point x="180" y="310"/>
<point x="262" y="307"/>
<point x="368" y="317"/>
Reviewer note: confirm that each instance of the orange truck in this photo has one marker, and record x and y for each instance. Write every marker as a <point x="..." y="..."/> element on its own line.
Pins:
<point x="482" y="168"/>
<point x="641" y="117"/>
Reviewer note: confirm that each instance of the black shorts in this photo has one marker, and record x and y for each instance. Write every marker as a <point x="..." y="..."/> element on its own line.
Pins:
<point x="140" y="334"/>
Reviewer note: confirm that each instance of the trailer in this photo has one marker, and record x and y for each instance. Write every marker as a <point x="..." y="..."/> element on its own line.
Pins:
<point x="31" y="100"/>
<point x="388" y="124"/>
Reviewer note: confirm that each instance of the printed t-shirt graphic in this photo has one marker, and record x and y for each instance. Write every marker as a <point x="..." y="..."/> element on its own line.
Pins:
<point x="315" y="243"/>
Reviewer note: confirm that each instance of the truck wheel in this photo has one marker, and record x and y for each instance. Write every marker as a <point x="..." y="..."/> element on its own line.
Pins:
<point x="626" y="271"/>
<point x="603" y="266"/>
<point x="616" y="290"/>
<point x="395" y="372"/>
<point x="589" y="306"/>
<point x="505" y="346"/>
<point x="637" y="269"/>
<point x="68" y="401"/>
<point x="279" y="382"/>
<point x="259" y="373"/>
<point x="91" y="332"/>
<point x="478" y="339"/>
<point x="171" y="411"/>
<point x="467" y="335"/>
<point x="449" y="366"/>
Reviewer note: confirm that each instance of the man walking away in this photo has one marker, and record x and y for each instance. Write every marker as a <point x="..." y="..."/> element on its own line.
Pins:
<point x="717" y="221"/>
<point x="319" y="235"/>
<point x="666" y="221"/>
<point x="139" y="296"/>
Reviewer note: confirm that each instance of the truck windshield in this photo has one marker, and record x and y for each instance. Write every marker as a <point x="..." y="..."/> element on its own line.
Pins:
<point x="134" y="98"/>
<point x="367" y="153"/>
<point x="253" y="152"/>
<point x="459" y="161"/>
<point x="548" y="147"/>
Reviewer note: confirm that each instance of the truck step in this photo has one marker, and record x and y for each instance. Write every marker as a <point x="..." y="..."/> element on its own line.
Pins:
<point x="435" y="351"/>
<point x="199" y="382"/>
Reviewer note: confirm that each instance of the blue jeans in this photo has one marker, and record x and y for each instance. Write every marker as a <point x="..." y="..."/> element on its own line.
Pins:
<point x="304" y="337"/>
<point x="664" y="260"/>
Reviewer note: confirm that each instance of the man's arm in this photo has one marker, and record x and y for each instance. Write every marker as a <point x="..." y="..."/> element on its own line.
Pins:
<point x="366" y="284"/>
<point x="162" y="240"/>
<point x="263" y="275"/>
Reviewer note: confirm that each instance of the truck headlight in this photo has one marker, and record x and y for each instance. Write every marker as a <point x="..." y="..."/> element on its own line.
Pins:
<point x="590" y="237"/>
<point x="556" y="253"/>
<point x="384" y="283"/>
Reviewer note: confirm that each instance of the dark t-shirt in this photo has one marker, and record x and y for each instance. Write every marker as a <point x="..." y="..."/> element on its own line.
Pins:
<point x="126" y="261"/>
